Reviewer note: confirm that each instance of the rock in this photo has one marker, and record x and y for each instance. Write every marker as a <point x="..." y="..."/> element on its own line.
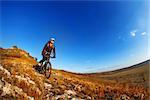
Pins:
<point x="47" y="86"/>
<point x="11" y="91"/>
<point x="70" y="92"/>
<point x="63" y="87"/>
<point x="124" y="97"/>
<point x="4" y="72"/>
<point x="58" y="97"/>
<point x="77" y="99"/>
<point x="30" y="98"/>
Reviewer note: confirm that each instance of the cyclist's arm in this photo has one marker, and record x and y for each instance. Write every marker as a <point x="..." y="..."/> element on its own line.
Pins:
<point x="54" y="53"/>
<point x="45" y="49"/>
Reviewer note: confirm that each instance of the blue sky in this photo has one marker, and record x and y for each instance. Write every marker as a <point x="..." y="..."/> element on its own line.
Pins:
<point x="90" y="35"/>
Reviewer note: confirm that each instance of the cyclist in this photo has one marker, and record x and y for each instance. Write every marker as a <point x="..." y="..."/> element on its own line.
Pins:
<point x="49" y="49"/>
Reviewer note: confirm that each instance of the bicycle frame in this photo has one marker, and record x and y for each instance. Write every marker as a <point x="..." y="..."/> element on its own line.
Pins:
<point x="46" y="67"/>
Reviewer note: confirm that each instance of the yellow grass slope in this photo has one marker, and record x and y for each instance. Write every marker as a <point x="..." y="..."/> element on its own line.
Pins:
<point x="19" y="80"/>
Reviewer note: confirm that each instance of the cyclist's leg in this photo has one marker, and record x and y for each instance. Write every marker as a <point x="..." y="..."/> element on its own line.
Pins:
<point x="50" y="67"/>
<point x="41" y="61"/>
<point x="45" y="64"/>
<point x="42" y="64"/>
<point x="47" y="60"/>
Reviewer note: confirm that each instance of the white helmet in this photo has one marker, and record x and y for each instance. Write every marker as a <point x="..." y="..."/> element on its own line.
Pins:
<point x="52" y="39"/>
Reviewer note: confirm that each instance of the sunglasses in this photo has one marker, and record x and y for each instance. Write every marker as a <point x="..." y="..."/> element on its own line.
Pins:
<point x="52" y="42"/>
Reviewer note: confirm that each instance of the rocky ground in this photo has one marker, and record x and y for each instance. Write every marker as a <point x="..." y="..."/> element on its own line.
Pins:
<point x="19" y="80"/>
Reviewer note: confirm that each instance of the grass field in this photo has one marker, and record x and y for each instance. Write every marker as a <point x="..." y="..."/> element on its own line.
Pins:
<point x="23" y="82"/>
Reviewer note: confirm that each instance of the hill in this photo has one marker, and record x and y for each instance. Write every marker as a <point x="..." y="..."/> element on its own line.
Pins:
<point x="19" y="80"/>
<point x="134" y="75"/>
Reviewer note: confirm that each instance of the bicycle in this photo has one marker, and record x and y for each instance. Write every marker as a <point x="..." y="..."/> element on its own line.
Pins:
<point x="45" y="67"/>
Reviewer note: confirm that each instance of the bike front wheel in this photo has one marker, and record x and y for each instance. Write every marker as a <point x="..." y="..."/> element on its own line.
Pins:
<point x="48" y="70"/>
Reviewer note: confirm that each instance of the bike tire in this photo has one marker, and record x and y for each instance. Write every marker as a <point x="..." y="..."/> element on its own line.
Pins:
<point x="47" y="70"/>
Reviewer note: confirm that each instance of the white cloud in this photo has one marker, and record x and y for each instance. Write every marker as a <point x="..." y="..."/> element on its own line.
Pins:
<point x="133" y="33"/>
<point x="143" y="33"/>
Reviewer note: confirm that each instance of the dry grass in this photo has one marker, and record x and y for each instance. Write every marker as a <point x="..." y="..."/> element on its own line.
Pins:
<point x="20" y="65"/>
<point x="97" y="86"/>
